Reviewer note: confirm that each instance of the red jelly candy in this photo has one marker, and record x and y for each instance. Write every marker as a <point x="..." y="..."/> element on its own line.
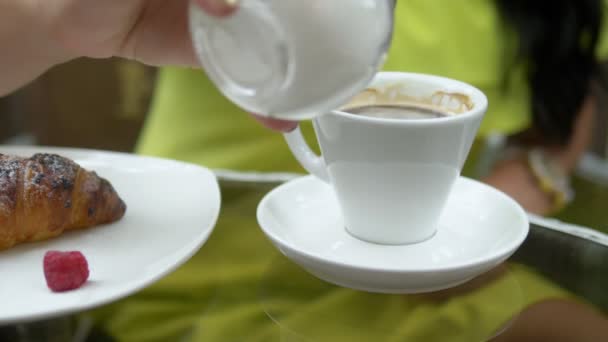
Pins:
<point x="65" y="271"/>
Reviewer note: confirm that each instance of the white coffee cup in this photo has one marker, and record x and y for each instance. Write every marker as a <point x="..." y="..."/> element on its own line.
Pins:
<point x="392" y="177"/>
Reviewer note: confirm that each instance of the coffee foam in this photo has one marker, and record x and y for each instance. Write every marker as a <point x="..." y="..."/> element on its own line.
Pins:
<point x="447" y="102"/>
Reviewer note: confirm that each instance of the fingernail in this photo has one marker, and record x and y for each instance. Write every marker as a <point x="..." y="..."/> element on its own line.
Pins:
<point x="276" y="125"/>
<point x="219" y="8"/>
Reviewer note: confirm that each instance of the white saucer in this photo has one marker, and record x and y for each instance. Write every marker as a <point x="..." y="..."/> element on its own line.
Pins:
<point x="480" y="228"/>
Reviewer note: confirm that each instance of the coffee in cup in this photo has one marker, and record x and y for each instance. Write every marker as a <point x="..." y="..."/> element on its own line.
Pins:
<point x="393" y="153"/>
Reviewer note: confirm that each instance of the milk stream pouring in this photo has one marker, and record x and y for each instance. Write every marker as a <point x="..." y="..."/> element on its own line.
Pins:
<point x="293" y="59"/>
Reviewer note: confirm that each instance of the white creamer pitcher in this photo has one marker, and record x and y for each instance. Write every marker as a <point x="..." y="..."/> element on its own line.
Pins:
<point x="293" y="59"/>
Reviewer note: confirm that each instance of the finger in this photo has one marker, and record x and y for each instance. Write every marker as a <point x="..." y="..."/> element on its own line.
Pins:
<point x="161" y="36"/>
<point x="220" y="8"/>
<point x="276" y="124"/>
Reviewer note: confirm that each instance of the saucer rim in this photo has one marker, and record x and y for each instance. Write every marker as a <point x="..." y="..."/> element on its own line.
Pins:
<point x="498" y="255"/>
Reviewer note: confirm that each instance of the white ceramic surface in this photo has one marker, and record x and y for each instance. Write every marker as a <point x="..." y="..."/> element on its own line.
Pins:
<point x="392" y="176"/>
<point x="172" y="208"/>
<point x="479" y="229"/>
<point x="293" y="59"/>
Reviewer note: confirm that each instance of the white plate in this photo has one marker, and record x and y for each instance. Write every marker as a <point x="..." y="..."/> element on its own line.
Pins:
<point x="172" y="208"/>
<point x="480" y="228"/>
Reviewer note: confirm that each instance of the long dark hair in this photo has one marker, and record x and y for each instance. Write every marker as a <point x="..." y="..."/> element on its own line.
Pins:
<point x="557" y="42"/>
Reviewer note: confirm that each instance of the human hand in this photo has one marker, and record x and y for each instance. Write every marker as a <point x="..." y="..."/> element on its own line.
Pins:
<point x="154" y="32"/>
<point x="150" y="31"/>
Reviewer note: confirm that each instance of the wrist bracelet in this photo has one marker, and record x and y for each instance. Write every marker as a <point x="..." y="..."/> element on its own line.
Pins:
<point x="551" y="178"/>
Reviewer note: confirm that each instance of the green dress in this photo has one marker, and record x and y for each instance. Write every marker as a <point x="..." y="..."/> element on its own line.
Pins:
<point x="239" y="288"/>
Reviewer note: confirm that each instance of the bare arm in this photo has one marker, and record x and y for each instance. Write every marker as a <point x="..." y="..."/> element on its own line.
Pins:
<point x="515" y="178"/>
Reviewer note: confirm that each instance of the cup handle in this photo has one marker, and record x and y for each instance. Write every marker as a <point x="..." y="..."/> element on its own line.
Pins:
<point x="307" y="158"/>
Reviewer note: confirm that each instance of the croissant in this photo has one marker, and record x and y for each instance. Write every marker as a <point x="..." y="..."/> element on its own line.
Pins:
<point x="45" y="195"/>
